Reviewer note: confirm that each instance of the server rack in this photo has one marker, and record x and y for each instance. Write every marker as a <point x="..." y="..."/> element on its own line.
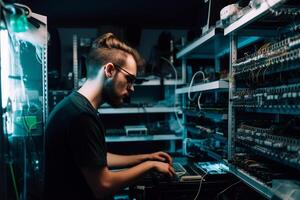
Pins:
<point x="24" y="103"/>
<point x="260" y="151"/>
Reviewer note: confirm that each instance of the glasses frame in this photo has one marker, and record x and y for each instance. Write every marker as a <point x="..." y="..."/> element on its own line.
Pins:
<point x="129" y="77"/>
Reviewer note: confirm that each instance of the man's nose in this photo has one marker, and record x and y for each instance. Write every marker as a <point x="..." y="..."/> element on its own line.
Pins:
<point x="131" y="88"/>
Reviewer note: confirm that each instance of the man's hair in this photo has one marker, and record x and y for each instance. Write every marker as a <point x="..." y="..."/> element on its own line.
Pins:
<point x="108" y="48"/>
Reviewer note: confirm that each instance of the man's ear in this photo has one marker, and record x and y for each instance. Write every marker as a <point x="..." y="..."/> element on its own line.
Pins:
<point x="109" y="70"/>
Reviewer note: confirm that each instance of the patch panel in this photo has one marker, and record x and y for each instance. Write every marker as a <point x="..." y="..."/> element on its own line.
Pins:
<point x="281" y="97"/>
<point x="280" y="53"/>
<point x="264" y="141"/>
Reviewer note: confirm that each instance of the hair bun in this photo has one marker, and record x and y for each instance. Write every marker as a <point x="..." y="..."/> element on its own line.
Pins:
<point x="106" y="41"/>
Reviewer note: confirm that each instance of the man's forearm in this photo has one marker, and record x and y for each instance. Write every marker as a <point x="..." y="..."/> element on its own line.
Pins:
<point x="114" y="160"/>
<point x="119" y="179"/>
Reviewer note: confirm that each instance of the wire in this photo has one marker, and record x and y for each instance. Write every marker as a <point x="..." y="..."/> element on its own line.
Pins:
<point x="199" y="189"/>
<point x="23" y="8"/>
<point x="8" y="7"/>
<point x="2" y="3"/>
<point x="191" y="83"/>
<point x="217" y="197"/>
<point x="14" y="180"/>
<point x="190" y="86"/>
<point x="9" y="158"/>
<point x="199" y="98"/>
<point x="175" y="87"/>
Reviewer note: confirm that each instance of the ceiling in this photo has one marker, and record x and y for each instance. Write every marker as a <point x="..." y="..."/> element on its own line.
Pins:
<point x="142" y="13"/>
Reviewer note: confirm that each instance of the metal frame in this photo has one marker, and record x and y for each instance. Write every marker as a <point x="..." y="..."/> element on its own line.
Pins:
<point x="136" y="110"/>
<point x="3" y="169"/>
<point x="231" y="111"/>
<point x="142" y="138"/>
<point x="252" y="15"/>
<point x="75" y="62"/>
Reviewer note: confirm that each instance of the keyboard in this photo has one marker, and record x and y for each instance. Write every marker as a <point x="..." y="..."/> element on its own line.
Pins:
<point x="179" y="169"/>
<point x="186" y="173"/>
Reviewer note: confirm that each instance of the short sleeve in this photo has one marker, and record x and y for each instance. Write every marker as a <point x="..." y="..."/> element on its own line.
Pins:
<point x="86" y="142"/>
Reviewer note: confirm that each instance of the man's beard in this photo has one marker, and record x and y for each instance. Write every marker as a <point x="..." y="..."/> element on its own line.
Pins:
<point x="110" y="95"/>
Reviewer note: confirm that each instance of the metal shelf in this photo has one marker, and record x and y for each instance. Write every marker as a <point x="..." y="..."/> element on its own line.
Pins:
<point x="212" y="44"/>
<point x="204" y="149"/>
<point x="138" y="110"/>
<point x="252" y="15"/>
<point x="157" y="82"/>
<point x="220" y="136"/>
<point x="193" y="130"/>
<point x="211" y="153"/>
<point x="252" y="181"/>
<point x="214" y="155"/>
<point x="215" y="85"/>
<point x="290" y="111"/>
<point x="215" y="116"/>
<point x="142" y="138"/>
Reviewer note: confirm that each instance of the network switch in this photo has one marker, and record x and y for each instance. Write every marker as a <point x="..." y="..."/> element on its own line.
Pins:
<point x="265" y="142"/>
<point x="281" y="97"/>
<point x="276" y="54"/>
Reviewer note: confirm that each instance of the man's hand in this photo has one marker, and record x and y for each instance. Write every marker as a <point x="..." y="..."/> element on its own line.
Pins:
<point x="164" y="168"/>
<point x="161" y="156"/>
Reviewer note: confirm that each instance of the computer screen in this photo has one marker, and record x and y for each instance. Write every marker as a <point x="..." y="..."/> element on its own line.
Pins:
<point x="213" y="167"/>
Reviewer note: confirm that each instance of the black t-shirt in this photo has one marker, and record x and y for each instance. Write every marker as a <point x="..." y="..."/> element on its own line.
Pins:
<point x="74" y="139"/>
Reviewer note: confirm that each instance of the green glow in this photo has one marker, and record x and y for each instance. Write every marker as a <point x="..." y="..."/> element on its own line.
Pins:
<point x="18" y="23"/>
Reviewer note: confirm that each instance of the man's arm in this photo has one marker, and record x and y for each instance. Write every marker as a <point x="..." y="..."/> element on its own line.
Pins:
<point x="104" y="182"/>
<point x="114" y="160"/>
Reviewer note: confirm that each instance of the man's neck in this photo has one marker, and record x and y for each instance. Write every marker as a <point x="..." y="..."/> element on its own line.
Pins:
<point x="92" y="90"/>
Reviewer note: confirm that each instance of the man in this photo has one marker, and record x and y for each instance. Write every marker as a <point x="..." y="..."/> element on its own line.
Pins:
<point x="77" y="162"/>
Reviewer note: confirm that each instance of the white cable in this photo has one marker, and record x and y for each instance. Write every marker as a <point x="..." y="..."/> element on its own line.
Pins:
<point x="2" y="3"/>
<point x="22" y="6"/>
<point x="198" y="101"/>
<point x="175" y="86"/>
<point x="191" y="83"/>
<point x="199" y="189"/>
<point x="217" y="197"/>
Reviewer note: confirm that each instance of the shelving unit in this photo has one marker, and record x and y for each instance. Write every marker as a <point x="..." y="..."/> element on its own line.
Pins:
<point x="211" y="45"/>
<point x="258" y="145"/>
<point x="24" y="75"/>
<point x="239" y="35"/>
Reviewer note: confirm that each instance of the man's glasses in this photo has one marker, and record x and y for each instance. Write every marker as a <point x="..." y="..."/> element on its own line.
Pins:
<point x="129" y="77"/>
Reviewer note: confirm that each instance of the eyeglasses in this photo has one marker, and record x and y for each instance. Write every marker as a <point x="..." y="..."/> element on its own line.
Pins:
<point x="129" y="77"/>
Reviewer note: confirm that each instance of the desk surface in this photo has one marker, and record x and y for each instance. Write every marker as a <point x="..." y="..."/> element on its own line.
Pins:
<point x="156" y="188"/>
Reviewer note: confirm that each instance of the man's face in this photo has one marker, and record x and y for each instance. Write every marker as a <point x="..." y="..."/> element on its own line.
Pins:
<point x="120" y="85"/>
